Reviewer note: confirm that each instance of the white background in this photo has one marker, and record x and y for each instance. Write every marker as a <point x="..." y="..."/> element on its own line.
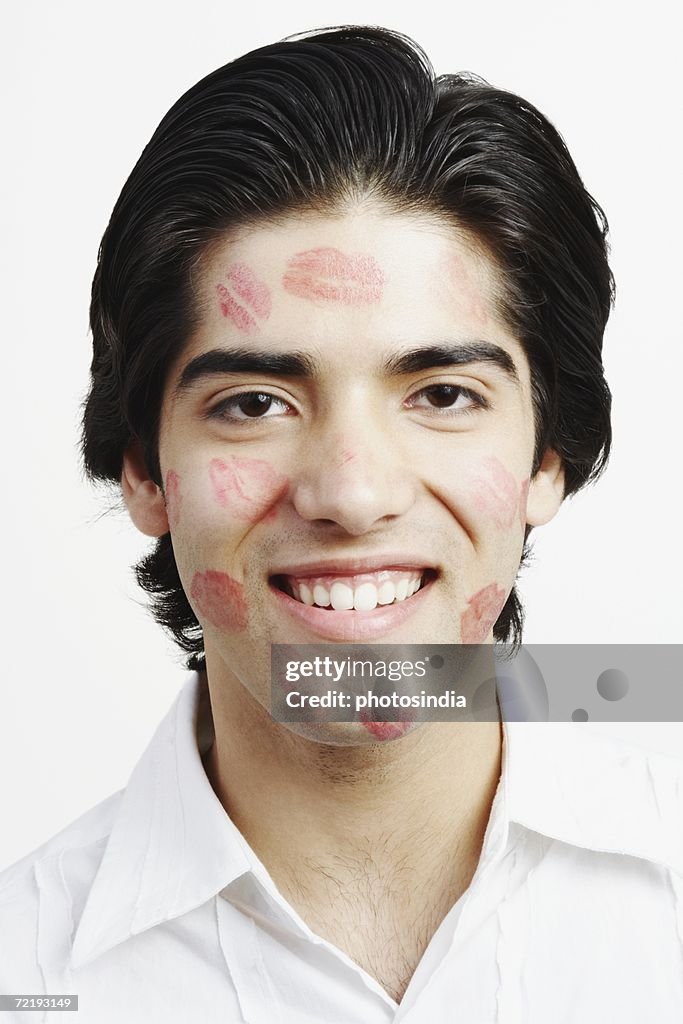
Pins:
<point x="87" y="674"/>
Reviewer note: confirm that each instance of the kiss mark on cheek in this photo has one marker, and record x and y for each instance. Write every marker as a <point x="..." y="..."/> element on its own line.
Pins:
<point x="248" y="488"/>
<point x="329" y="275"/>
<point x="481" y="614"/>
<point x="523" y="498"/>
<point x="496" y="494"/>
<point x="173" y="498"/>
<point x="220" y="600"/>
<point x="348" y="455"/>
<point x="244" y="299"/>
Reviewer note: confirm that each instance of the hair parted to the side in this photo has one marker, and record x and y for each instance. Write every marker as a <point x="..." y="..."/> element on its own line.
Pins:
<point x="319" y="122"/>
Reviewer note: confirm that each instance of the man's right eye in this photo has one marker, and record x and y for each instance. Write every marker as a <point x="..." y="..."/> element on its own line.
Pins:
<point x="249" y="405"/>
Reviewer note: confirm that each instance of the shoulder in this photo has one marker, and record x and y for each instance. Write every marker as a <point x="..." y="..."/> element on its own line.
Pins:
<point x="50" y="885"/>
<point x="597" y="791"/>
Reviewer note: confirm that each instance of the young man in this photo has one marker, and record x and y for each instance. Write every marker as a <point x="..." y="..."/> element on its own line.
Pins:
<point x="347" y="327"/>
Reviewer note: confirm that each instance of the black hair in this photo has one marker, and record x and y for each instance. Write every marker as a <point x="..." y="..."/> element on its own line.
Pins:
<point x="316" y="123"/>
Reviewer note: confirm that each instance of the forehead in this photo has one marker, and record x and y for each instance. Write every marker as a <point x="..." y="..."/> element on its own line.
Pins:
<point x="354" y="286"/>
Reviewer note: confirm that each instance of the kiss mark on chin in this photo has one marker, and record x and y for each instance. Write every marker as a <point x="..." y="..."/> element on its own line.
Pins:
<point x="481" y="614"/>
<point x="173" y="498"/>
<point x="387" y="730"/>
<point x="248" y="488"/>
<point x="329" y="275"/>
<point x="220" y="600"/>
<point x="496" y="494"/>
<point x="244" y="299"/>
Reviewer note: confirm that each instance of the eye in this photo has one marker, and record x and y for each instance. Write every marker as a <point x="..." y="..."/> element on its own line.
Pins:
<point x="452" y="398"/>
<point x="249" y="405"/>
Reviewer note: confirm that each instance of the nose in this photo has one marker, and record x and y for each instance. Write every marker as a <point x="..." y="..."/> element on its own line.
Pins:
<point x="352" y="474"/>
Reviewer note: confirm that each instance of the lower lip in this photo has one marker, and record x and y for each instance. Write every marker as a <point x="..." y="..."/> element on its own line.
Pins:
<point x="353" y="626"/>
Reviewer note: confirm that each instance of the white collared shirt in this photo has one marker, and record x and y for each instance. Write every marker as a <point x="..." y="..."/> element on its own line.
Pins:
<point x="153" y="908"/>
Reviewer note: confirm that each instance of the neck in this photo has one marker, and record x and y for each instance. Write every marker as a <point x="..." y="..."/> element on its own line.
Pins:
<point x="422" y="801"/>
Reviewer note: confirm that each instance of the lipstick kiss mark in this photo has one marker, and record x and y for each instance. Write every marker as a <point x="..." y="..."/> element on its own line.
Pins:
<point x="248" y="488"/>
<point x="496" y="494"/>
<point x="173" y="498"/>
<point x="482" y="611"/>
<point x="383" y="730"/>
<point x="348" y="455"/>
<point x="220" y="600"/>
<point x="329" y="275"/>
<point x="244" y="299"/>
<point x="523" y="498"/>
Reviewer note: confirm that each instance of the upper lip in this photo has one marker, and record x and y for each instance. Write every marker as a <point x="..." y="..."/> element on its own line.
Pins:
<point x="355" y="565"/>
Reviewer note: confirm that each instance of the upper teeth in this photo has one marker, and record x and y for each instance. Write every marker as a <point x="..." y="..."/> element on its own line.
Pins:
<point x="362" y="592"/>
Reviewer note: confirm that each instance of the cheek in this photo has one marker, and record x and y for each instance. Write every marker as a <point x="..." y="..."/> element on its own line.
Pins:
<point x="248" y="488"/>
<point x="243" y="298"/>
<point x="174" y="498"/>
<point x="330" y="275"/>
<point x="496" y="495"/>
<point x="481" y="613"/>
<point x="523" y="498"/>
<point x="219" y="600"/>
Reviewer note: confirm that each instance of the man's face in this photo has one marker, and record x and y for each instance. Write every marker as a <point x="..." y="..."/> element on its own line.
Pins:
<point x="352" y="421"/>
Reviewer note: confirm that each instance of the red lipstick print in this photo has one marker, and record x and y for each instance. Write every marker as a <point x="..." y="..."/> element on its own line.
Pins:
<point x="244" y="299"/>
<point x="220" y="600"/>
<point x="482" y="611"/>
<point x="387" y="730"/>
<point x="523" y="498"/>
<point x="173" y="498"/>
<point x="496" y="494"/>
<point x="329" y="275"/>
<point x="473" y="303"/>
<point x="247" y="487"/>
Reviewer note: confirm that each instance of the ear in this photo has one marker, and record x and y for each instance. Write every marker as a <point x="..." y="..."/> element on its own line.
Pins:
<point x="546" y="490"/>
<point x="144" y="499"/>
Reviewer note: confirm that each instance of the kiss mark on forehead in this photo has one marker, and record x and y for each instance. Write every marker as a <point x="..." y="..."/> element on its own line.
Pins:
<point x="330" y="275"/>
<point x="481" y="614"/>
<point x="469" y="291"/>
<point x="220" y="600"/>
<point x="248" y="488"/>
<point x="244" y="299"/>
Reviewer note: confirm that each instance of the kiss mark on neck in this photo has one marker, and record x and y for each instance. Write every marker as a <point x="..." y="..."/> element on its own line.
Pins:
<point x="330" y="275"/>
<point x="244" y="299"/>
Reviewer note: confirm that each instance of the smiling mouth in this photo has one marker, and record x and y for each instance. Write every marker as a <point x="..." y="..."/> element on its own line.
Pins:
<point x="361" y="592"/>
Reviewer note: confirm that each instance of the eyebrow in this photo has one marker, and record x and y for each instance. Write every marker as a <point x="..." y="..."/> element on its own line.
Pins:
<point x="430" y="356"/>
<point x="223" y="361"/>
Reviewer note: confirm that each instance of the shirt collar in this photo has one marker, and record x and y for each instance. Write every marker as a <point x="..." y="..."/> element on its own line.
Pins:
<point x="173" y="847"/>
<point x="582" y="787"/>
